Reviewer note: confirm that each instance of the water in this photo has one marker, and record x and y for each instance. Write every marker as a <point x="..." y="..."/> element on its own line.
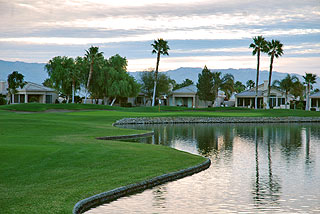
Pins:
<point x="255" y="169"/>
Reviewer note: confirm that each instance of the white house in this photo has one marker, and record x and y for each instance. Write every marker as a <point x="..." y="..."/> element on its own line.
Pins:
<point x="277" y="97"/>
<point x="187" y="96"/>
<point x="31" y="92"/>
<point x="315" y="101"/>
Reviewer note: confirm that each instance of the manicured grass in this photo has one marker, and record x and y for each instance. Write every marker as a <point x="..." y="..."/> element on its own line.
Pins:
<point x="165" y="111"/>
<point x="49" y="161"/>
<point x="36" y="107"/>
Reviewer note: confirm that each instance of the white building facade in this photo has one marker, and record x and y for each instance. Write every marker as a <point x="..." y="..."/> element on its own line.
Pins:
<point x="277" y="97"/>
<point x="31" y="92"/>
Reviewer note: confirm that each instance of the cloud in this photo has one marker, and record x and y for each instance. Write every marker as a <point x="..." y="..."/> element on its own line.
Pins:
<point x="36" y="30"/>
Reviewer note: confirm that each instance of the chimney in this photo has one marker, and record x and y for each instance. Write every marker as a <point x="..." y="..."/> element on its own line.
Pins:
<point x="265" y="85"/>
<point x="3" y="87"/>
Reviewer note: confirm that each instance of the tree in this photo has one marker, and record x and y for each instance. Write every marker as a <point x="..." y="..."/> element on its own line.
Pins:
<point x="205" y="85"/>
<point x="185" y="83"/>
<point x="259" y="45"/>
<point x="91" y="54"/>
<point x="274" y="50"/>
<point x="286" y="85"/>
<point x="112" y="80"/>
<point x="64" y="77"/>
<point x="224" y="83"/>
<point x="121" y="83"/>
<point x="15" y="80"/>
<point x="48" y="83"/>
<point x="160" y="47"/>
<point x="238" y="87"/>
<point x="250" y="84"/>
<point x="297" y="90"/>
<point x="309" y="79"/>
<point x="147" y="83"/>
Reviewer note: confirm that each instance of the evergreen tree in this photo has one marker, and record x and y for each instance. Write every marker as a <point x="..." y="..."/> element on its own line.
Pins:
<point x="205" y="85"/>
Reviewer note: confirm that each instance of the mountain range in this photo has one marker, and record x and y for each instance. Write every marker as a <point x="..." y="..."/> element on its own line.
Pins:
<point x="35" y="72"/>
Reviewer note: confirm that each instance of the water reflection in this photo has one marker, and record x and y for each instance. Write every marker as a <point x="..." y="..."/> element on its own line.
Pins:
<point x="255" y="168"/>
<point x="266" y="188"/>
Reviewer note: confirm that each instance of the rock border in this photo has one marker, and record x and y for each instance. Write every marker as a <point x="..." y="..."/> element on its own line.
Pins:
<point x="174" y="120"/>
<point x="114" y="194"/>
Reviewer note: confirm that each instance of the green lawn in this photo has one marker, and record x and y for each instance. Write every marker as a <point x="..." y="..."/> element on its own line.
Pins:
<point x="49" y="161"/>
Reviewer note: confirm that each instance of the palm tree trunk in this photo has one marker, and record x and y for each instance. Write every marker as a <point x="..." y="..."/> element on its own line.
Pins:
<point x="308" y="94"/>
<point x="114" y="99"/>
<point x="156" y="79"/>
<point x="257" y="80"/>
<point x="89" y="79"/>
<point x="73" y="86"/>
<point x="269" y="83"/>
<point x="286" y="99"/>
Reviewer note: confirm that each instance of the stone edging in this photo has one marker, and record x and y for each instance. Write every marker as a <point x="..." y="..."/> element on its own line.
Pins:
<point x="125" y="136"/>
<point x="111" y="195"/>
<point x="172" y="120"/>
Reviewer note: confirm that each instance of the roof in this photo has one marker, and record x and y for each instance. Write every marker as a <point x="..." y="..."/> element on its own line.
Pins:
<point x="315" y="95"/>
<point x="190" y="89"/>
<point x="30" y="86"/>
<point x="249" y="93"/>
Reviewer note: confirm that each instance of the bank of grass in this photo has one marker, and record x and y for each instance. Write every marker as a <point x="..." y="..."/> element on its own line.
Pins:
<point x="49" y="161"/>
<point x="165" y="111"/>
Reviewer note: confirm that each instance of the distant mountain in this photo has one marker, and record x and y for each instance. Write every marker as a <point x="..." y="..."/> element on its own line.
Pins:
<point x="33" y="72"/>
<point x="242" y="74"/>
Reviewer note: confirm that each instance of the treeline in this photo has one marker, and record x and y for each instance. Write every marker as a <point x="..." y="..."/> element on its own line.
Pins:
<point x="100" y="77"/>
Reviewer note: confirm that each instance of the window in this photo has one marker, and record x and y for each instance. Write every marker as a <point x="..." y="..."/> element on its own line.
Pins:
<point x="16" y="98"/>
<point x="48" y="98"/>
<point x="22" y="97"/>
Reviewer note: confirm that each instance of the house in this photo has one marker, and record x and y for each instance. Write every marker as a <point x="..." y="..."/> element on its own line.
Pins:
<point x="277" y="97"/>
<point x="31" y="92"/>
<point x="315" y="101"/>
<point x="187" y="96"/>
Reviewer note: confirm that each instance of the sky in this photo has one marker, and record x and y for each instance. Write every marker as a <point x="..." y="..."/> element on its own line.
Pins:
<point x="215" y="33"/>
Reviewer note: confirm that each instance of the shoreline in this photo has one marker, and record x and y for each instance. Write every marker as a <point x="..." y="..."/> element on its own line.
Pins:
<point x="179" y="120"/>
<point x="111" y="195"/>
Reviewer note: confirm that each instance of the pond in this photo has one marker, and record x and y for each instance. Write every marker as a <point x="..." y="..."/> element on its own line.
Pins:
<point x="269" y="168"/>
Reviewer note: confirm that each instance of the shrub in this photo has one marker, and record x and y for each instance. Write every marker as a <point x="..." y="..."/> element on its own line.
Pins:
<point x="126" y="105"/>
<point x="312" y="109"/>
<point x="33" y="100"/>
<point x="300" y="105"/>
<point x="3" y="101"/>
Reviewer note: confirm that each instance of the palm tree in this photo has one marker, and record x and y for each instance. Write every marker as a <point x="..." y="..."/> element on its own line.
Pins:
<point x="309" y="79"/>
<point x="250" y="84"/>
<point x="274" y="50"/>
<point x="287" y="85"/>
<point x="90" y="56"/>
<point x="224" y="83"/>
<point x="259" y="45"/>
<point x="15" y="80"/>
<point x="160" y="47"/>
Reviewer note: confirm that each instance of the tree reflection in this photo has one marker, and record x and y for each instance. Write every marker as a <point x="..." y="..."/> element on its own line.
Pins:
<point x="159" y="196"/>
<point x="267" y="186"/>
